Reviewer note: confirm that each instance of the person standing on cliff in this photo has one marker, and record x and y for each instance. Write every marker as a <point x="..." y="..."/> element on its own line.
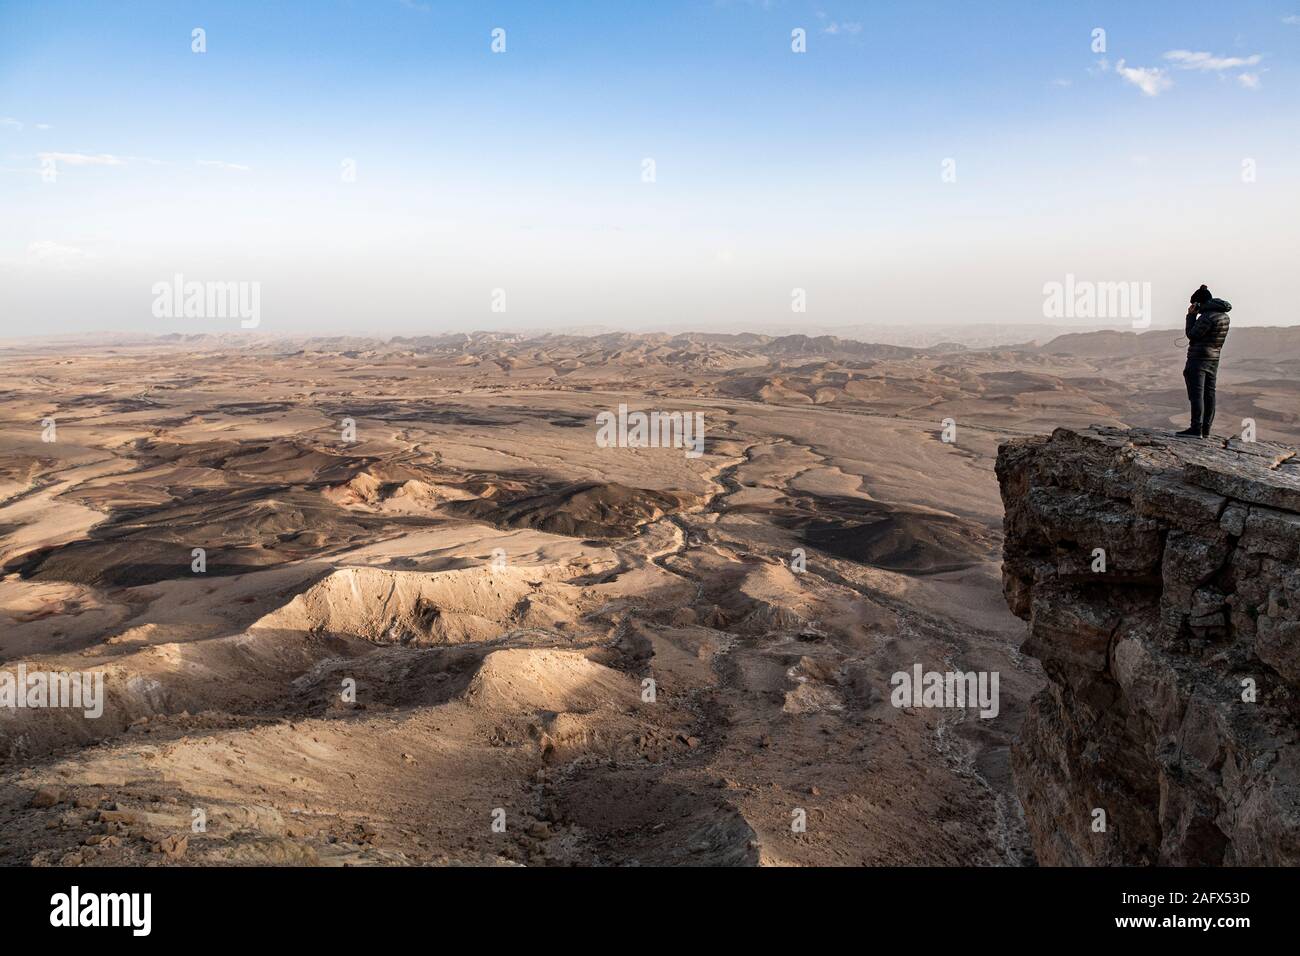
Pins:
<point x="1206" y="329"/>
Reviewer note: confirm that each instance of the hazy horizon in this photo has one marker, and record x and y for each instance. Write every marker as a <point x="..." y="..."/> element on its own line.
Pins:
<point x="378" y="169"/>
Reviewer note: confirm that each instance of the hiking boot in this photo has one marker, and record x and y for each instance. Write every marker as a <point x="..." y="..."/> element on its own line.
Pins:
<point x="1188" y="433"/>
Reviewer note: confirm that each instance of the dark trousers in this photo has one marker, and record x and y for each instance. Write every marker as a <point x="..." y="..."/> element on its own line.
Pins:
<point x="1200" y="375"/>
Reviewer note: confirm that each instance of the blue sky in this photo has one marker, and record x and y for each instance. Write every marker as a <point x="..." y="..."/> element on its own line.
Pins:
<point x="522" y="170"/>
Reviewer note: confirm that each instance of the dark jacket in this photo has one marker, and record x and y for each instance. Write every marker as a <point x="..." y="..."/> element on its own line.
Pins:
<point x="1207" y="330"/>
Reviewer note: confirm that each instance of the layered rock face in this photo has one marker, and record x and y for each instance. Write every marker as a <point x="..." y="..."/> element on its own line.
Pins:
<point x="1161" y="581"/>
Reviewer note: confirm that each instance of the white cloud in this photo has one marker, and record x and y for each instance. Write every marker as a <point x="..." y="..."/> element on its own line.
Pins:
<point x="1189" y="60"/>
<point x="82" y="159"/>
<point x="220" y="165"/>
<point x="1062" y="82"/>
<point x="853" y="29"/>
<point x="1292" y="21"/>
<point x="1249" y="80"/>
<point x="9" y="122"/>
<point x="48" y="252"/>
<point x="1151" y="80"/>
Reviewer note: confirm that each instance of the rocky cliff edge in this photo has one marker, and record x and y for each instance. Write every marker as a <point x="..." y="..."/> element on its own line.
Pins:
<point x="1161" y="581"/>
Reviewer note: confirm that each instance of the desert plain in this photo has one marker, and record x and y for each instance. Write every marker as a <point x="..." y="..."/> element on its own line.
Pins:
<point x="363" y="601"/>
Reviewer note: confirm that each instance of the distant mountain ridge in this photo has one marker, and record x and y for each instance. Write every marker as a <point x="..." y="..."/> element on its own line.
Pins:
<point x="1275" y="344"/>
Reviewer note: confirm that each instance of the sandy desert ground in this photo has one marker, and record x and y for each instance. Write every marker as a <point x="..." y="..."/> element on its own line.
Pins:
<point x="500" y="588"/>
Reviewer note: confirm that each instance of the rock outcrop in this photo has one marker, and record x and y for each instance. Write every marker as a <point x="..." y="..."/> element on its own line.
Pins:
<point x="1161" y="581"/>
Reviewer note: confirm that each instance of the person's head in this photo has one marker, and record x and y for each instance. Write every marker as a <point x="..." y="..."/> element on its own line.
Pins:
<point x="1201" y="295"/>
